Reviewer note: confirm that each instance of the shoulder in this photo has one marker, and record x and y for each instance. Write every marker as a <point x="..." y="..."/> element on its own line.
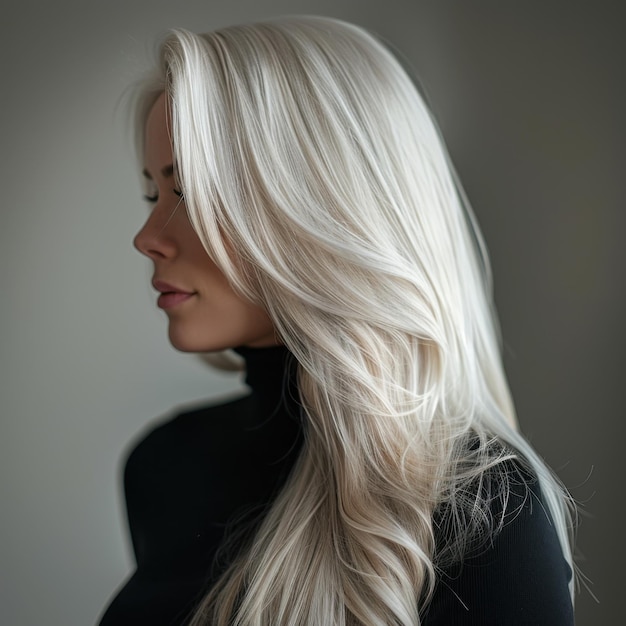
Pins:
<point x="512" y="573"/>
<point x="174" y="438"/>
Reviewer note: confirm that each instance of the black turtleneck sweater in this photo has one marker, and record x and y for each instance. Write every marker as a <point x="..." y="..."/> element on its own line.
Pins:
<point x="217" y="468"/>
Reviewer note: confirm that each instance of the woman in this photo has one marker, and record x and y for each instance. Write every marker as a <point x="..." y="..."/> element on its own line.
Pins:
<point x="306" y="214"/>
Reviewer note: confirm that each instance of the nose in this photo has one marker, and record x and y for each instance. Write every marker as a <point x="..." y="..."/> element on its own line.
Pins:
<point x="153" y="240"/>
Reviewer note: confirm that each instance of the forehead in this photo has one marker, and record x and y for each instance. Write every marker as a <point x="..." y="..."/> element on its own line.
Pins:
<point x="158" y="111"/>
<point x="157" y="144"/>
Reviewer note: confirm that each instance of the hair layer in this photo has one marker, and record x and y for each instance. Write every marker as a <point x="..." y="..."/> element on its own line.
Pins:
<point x="317" y="180"/>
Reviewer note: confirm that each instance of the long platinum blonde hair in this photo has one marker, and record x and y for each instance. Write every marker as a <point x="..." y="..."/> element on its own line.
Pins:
<point x="317" y="180"/>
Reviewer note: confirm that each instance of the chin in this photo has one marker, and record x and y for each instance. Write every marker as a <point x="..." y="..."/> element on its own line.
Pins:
<point x="189" y="342"/>
<point x="187" y="337"/>
<point x="184" y="340"/>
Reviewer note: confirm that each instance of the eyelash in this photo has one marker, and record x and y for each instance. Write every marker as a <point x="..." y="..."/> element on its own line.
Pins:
<point x="156" y="197"/>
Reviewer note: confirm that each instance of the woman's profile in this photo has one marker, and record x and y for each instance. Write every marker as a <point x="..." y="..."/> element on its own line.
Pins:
<point x="305" y="214"/>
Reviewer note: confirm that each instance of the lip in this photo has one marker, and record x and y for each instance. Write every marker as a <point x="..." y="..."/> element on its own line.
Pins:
<point x="171" y="295"/>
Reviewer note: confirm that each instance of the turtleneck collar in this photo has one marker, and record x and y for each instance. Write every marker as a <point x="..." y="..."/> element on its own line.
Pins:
<point x="271" y="374"/>
<point x="265" y="367"/>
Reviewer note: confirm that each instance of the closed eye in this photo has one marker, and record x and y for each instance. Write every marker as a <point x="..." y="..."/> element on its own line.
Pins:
<point x="153" y="198"/>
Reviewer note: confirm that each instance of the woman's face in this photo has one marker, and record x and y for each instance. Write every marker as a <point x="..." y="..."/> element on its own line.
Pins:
<point x="204" y="312"/>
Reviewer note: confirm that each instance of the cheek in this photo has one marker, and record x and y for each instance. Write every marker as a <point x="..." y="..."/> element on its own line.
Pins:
<point x="218" y="319"/>
<point x="224" y="309"/>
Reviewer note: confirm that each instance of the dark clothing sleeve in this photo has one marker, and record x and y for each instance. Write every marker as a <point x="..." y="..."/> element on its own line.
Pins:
<point x="520" y="578"/>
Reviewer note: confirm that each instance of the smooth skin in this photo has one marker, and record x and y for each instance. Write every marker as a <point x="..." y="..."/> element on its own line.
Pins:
<point x="214" y="317"/>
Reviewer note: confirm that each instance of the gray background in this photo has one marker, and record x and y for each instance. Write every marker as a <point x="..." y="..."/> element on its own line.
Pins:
<point x="530" y="99"/>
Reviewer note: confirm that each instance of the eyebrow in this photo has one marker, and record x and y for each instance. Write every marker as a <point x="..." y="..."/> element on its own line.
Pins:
<point x="166" y="172"/>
